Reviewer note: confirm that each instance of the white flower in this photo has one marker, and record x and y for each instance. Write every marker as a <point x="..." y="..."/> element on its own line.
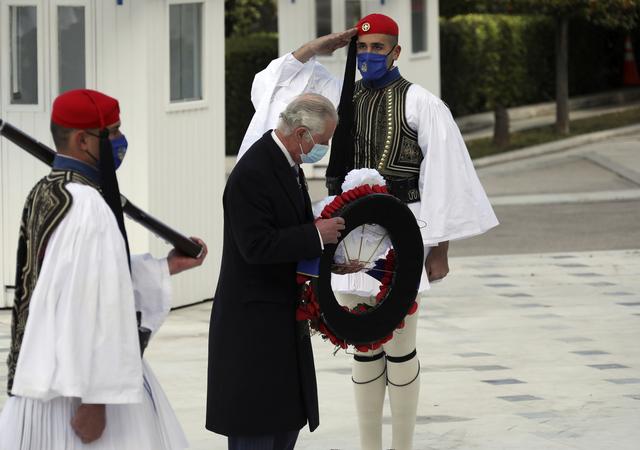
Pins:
<point x="360" y="177"/>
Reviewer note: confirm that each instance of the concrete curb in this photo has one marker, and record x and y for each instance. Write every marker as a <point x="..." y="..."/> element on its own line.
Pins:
<point x="577" y="197"/>
<point x="475" y="122"/>
<point x="556" y="146"/>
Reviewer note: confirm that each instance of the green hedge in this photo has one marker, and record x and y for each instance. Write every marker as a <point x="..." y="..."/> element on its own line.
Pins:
<point x="479" y="55"/>
<point x="244" y="57"/>
<point x="521" y="51"/>
<point x="485" y="60"/>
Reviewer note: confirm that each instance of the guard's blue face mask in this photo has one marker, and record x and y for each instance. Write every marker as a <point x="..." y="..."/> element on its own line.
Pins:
<point x="316" y="154"/>
<point x="119" y="148"/>
<point x="373" y="66"/>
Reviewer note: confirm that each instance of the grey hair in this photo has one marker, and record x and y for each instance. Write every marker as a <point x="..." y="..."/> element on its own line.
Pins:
<point x="311" y="111"/>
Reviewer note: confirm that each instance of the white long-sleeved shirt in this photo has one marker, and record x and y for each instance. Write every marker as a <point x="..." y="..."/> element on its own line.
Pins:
<point x="81" y="336"/>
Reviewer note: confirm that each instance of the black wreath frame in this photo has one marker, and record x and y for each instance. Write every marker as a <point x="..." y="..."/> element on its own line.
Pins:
<point x="405" y="236"/>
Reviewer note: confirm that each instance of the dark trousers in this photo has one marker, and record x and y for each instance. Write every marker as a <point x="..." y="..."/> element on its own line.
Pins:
<point x="279" y="441"/>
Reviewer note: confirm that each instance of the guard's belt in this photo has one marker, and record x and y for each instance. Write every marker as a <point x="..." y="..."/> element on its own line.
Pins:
<point x="404" y="189"/>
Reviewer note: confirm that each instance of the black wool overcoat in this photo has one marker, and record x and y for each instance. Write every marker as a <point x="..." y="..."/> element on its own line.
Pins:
<point x="261" y="377"/>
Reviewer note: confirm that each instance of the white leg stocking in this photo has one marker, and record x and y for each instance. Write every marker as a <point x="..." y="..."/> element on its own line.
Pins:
<point x="403" y="374"/>
<point x="369" y="383"/>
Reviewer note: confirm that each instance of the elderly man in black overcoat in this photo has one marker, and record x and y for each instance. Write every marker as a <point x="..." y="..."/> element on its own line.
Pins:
<point x="261" y="384"/>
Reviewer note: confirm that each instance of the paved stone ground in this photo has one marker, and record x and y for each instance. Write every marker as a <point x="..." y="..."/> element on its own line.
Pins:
<point x="518" y="352"/>
<point x="530" y="343"/>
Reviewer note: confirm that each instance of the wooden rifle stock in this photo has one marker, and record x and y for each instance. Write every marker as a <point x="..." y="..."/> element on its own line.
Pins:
<point x="47" y="155"/>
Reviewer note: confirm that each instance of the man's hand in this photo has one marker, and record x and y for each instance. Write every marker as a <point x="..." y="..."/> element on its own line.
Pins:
<point x="348" y="267"/>
<point x="179" y="262"/>
<point x="89" y="422"/>
<point x="324" y="45"/>
<point x="330" y="229"/>
<point x="437" y="263"/>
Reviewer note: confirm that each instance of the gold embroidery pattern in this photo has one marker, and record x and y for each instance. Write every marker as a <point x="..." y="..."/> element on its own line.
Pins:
<point x="45" y="207"/>
<point x="382" y="136"/>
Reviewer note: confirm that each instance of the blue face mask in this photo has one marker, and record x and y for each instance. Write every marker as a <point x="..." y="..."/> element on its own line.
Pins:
<point x="316" y="154"/>
<point x="373" y="66"/>
<point x="119" y="148"/>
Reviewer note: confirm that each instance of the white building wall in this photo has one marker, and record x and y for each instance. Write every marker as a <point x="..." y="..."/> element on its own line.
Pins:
<point x="174" y="168"/>
<point x="297" y="25"/>
<point x="121" y="68"/>
<point x="186" y="147"/>
<point x="18" y="170"/>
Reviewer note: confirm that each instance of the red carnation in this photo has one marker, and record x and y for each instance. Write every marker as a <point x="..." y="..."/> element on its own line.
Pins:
<point x="301" y="315"/>
<point x="388" y="338"/>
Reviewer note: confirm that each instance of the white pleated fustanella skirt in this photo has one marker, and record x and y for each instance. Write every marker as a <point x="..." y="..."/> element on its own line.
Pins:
<point x="28" y="424"/>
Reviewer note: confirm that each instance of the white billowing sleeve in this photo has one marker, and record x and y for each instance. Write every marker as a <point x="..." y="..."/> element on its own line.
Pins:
<point x="81" y="336"/>
<point x="152" y="289"/>
<point x="273" y="88"/>
<point x="453" y="203"/>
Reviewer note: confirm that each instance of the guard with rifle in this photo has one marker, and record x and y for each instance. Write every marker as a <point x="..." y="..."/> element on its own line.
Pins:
<point x="75" y="372"/>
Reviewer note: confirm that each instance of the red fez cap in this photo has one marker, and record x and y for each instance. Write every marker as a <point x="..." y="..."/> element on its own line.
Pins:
<point x="84" y="108"/>
<point x="377" y="24"/>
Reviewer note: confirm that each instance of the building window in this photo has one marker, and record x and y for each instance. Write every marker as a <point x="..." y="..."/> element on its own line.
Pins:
<point x="323" y="17"/>
<point x="352" y="13"/>
<point x="23" y="54"/>
<point x="185" y="48"/>
<point x="418" y="26"/>
<point x="71" y="48"/>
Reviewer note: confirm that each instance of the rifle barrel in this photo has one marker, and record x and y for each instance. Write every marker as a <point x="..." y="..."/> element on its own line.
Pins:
<point x="47" y="155"/>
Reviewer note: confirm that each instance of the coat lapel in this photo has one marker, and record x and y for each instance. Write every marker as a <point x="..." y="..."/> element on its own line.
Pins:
<point x="287" y="179"/>
<point x="307" y="200"/>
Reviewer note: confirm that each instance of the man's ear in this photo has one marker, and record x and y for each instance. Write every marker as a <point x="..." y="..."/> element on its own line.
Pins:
<point x="396" y="52"/>
<point x="301" y="133"/>
<point x="78" y="140"/>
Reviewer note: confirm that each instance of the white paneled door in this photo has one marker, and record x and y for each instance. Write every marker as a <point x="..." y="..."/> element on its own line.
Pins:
<point x="46" y="47"/>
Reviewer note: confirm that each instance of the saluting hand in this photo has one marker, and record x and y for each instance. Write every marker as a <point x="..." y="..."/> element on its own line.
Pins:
<point x="325" y="45"/>
<point x="330" y="229"/>
<point x="328" y="44"/>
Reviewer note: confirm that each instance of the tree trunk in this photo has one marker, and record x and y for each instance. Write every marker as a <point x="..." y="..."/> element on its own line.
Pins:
<point x="562" y="75"/>
<point x="501" y="137"/>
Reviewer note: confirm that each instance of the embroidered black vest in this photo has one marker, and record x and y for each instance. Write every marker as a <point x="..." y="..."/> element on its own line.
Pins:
<point x="383" y="139"/>
<point x="45" y="207"/>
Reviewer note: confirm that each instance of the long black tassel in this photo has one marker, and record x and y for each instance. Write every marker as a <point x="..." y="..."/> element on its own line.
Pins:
<point x="109" y="186"/>
<point x="111" y="194"/>
<point x="342" y="145"/>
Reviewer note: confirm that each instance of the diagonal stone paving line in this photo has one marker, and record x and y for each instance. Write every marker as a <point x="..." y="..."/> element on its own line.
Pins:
<point x="496" y="373"/>
<point x="613" y="166"/>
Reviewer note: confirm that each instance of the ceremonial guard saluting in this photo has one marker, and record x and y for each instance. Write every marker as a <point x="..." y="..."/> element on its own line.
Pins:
<point x="76" y="376"/>
<point x="410" y="137"/>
